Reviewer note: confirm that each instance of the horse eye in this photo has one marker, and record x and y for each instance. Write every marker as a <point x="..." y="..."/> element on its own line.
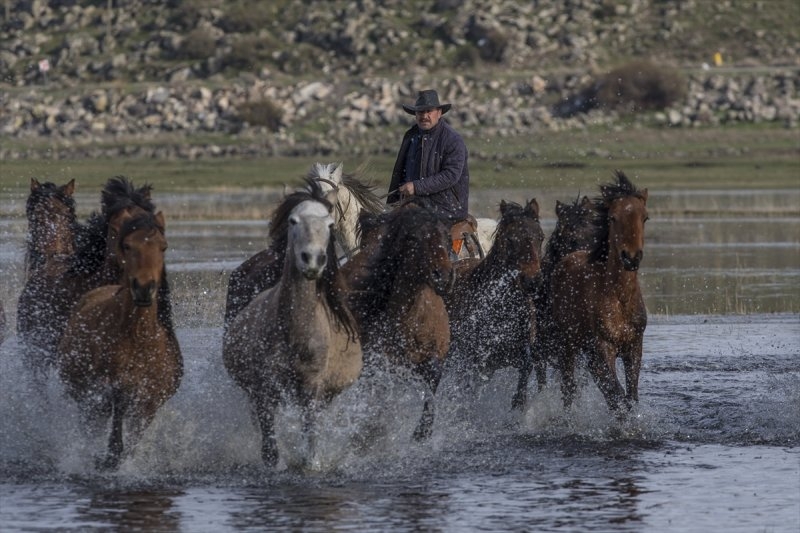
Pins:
<point x="646" y="219"/>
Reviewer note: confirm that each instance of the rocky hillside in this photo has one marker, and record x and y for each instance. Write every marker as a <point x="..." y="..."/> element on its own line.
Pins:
<point x="192" y="78"/>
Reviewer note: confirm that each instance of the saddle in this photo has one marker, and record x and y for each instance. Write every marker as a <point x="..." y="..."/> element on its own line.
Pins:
<point x="464" y="233"/>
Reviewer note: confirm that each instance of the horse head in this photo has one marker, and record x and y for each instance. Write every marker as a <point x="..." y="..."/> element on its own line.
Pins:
<point x="50" y="210"/>
<point x="626" y="209"/>
<point x="518" y="238"/>
<point x="309" y="232"/>
<point x="141" y="248"/>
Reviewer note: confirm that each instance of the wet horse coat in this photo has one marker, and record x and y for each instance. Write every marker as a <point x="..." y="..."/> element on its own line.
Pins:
<point x="597" y="304"/>
<point x="52" y="229"/>
<point x="297" y="338"/>
<point x="397" y="296"/>
<point x="492" y="313"/>
<point x="119" y="355"/>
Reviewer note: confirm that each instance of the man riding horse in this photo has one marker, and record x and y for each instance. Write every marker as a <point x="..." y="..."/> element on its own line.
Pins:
<point x="432" y="162"/>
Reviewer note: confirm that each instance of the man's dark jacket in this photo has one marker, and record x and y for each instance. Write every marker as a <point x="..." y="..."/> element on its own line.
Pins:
<point x="444" y="173"/>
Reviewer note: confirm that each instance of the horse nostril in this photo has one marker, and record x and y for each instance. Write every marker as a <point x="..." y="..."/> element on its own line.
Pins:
<point x="305" y="257"/>
<point x="323" y="259"/>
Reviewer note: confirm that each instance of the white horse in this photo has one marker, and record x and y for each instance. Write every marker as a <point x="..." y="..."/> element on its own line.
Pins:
<point x="298" y="337"/>
<point x="352" y="196"/>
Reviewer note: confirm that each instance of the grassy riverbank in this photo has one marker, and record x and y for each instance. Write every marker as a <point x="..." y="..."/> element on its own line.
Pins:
<point x="744" y="157"/>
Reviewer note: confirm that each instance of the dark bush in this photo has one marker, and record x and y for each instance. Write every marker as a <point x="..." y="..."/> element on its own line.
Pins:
<point x="490" y="42"/>
<point x="640" y="86"/>
<point x="248" y="52"/>
<point x="198" y="44"/>
<point x="261" y="113"/>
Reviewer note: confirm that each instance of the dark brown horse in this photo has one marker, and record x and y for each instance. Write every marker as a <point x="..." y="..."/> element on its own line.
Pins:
<point x="397" y="297"/>
<point x="297" y="338"/>
<point x="492" y="313"/>
<point x="262" y="270"/>
<point x="597" y="304"/>
<point x="119" y="356"/>
<point x="52" y="229"/>
<point x="574" y="231"/>
<point x="95" y="261"/>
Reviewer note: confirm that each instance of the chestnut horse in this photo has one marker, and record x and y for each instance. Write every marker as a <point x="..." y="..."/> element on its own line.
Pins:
<point x="297" y="337"/>
<point x="597" y="304"/>
<point x="52" y="229"/>
<point x="92" y="262"/>
<point x="397" y="296"/>
<point x="574" y="231"/>
<point x="262" y="270"/>
<point x="119" y="356"/>
<point x="492" y="312"/>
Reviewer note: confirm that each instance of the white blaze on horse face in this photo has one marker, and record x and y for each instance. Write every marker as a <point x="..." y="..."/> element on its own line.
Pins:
<point x="309" y="232"/>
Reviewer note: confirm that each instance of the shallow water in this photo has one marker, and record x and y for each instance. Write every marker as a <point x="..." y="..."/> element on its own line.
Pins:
<point x="713" y="446"/>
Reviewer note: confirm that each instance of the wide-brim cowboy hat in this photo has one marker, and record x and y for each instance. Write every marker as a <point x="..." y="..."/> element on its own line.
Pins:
<point x="426" y="100"/>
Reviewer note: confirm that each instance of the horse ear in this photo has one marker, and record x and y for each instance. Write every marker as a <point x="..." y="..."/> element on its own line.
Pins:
<point x="69" y="188"/>
<point x="585" y="201"/>
<point x="503" y="206"/>
<point x="533" y="207"/>
<point x="160" y="221"/>
<point x="644" y="195"/>
<point x="559" y="208"/>
<point x="337" y="172"/>
<point x="35" y="184"/>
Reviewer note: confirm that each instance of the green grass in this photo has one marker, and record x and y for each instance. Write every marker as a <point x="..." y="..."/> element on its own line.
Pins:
<point x="751" y="157"/>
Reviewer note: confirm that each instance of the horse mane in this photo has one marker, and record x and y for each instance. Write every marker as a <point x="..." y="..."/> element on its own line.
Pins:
<point x="387" y="264"/>
<point x="119" y="193"/>
<point x="333" y="287"/>
<point x="279" y="222"/>
<point x="43" y="192"/>
<point x="364" y="193"/>
<point x="609" y="192"/>
<point x="148" y="221"/>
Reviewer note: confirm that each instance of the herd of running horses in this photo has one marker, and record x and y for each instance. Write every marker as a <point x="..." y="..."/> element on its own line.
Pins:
<point x="344" y="283"/>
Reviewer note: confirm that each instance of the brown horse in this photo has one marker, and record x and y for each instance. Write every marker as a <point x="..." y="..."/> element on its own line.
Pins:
<point x="597" y="304"/>
<point x="574" y="231"/>
<point x="297" y="337"/>
<point x="52" y="229"/>
<point x="90" y="263"/>
<point x="492" y="313"/>
<point x="119" y="356"/>
<point x="262" y="270"/>
<point x="397" y="297"/>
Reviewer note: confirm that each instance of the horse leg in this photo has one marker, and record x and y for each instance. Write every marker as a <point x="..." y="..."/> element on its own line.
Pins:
<point x="115" y="446"/>
<point x="431" y="371"/>
<point x="566" y="367"/>
<point x="602" y="366"/>
<point x="538" y="354"/>
<point x="525" y="368"/>
<point x="633" y="364"/>
<point x="265" y="411"/>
